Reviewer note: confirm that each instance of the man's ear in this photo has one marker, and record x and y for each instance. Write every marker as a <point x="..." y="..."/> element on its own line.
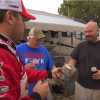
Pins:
<point x="9" y="17"/>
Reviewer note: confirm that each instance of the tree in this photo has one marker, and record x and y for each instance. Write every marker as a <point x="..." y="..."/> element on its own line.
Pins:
<point x="85" y="10"/>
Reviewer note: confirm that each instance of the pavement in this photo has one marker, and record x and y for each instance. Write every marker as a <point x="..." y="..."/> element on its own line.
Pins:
<point x="70" y="98"/>
<point x="61" y="91"/>
<point x="61" y="97"/>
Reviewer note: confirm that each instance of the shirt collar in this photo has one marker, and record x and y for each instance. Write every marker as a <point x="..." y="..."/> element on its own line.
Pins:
<point x="7" y="40"/>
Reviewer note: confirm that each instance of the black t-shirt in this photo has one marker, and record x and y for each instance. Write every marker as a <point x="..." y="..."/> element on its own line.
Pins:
<point x="88" y="55"/>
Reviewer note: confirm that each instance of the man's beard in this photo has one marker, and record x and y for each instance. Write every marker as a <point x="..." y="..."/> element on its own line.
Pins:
<point x="91" y="39"/>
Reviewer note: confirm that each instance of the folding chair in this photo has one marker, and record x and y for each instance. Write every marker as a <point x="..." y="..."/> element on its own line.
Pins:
<point x="59" y="61"/>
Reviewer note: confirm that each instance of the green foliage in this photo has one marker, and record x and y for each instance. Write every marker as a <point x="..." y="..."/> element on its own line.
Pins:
<point x="85" y="9"/>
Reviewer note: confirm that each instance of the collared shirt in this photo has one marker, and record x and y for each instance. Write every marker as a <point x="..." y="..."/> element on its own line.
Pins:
<point x="9" y="41"/>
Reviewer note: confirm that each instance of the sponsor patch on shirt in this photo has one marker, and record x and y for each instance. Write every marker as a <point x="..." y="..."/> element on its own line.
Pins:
<point x="2" y="78"/>
<point x="3" y="89"/>
<point x="1" y="96"/>
<point x="1" y="63"/>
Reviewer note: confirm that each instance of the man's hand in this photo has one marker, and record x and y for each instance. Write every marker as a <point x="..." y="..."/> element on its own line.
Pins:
<point x="56" y="72"/>
<point x="30" y="66"/>
<point x="42" y="89"/>
<point x="96" y="76"/>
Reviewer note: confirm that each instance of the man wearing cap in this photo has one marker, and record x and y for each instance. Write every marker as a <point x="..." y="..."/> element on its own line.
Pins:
<point x="34" y="54"/>
<point x="14" y="78"/>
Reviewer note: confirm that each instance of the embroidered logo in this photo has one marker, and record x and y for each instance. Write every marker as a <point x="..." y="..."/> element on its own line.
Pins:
<point x="13" y="6"/>
<point x="9" y="42"/>
<point x="3" y="89"/>
<point x="2" y="78"/>
<point x="3" y="95"/>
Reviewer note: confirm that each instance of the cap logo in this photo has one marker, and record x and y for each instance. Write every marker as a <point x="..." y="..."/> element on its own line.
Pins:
<point x="14" y="6"/>
<point x="40" y="31"/>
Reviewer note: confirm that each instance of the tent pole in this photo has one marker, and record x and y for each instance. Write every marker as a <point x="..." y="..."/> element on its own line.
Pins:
<point x="59" y="35"/>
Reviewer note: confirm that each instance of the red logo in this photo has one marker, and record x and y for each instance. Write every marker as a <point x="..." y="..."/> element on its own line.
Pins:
<point x="1" y="72"/>
<point x="14" y="6"/>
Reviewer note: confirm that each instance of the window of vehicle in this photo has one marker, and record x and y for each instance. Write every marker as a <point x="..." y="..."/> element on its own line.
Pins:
<point x="78" y="35"/>
<point x="54" y="34"/>
<point x="83" y="36"/>
<point x="44" y="31"/>
<point x="66" y="34"/>
<point x="99" y="35"/>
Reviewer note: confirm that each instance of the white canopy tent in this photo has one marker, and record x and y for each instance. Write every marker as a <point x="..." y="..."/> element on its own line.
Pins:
<point x="47" y="21"/>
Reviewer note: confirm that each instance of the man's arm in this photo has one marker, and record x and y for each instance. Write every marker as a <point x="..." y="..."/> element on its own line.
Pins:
<point x="53" y="67"/>
<point x="72" y="61"/>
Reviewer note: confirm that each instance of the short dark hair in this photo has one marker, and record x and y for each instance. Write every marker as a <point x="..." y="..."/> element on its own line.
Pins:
<point x="3" y="12"/>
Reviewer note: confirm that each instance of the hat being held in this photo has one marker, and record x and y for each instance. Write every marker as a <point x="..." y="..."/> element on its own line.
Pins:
<point x="16" y="5"/>
<point x="36" y="32"/>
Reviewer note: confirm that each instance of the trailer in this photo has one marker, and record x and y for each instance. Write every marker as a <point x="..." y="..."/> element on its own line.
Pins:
<point x="62" y="33"/>
<point x="62" y="36"/>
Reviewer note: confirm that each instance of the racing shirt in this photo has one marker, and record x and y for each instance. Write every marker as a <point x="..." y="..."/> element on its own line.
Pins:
<point x="14" y="78"/>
